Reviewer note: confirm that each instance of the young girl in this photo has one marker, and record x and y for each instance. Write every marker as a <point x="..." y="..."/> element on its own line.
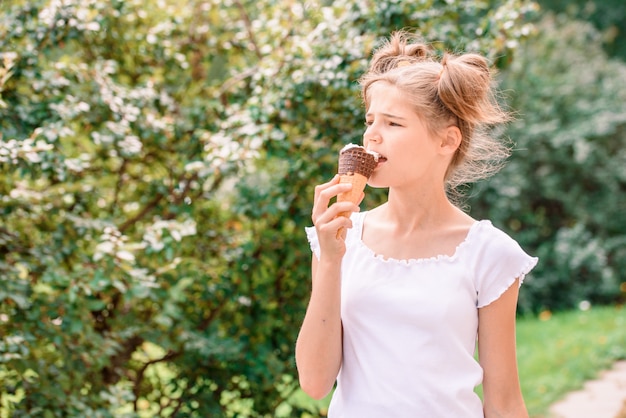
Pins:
<point x="398" y="303"/>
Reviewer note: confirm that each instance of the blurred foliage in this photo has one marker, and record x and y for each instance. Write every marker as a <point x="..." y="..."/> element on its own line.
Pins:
<point x="607" y="16"/>
<point x="158" y="163"/>
<point x="563" y="194"/>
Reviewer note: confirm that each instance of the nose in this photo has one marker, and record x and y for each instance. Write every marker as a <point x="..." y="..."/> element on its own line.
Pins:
<point x="375" y="139"/>
<point x="371" y="134"/>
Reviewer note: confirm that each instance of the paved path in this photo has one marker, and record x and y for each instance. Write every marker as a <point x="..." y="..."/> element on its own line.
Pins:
<point x="601" y="398"/>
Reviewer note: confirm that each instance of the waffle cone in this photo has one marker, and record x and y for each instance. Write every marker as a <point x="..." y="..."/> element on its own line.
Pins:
<point x="354" y="195"/>
<point x="358" y="185"/>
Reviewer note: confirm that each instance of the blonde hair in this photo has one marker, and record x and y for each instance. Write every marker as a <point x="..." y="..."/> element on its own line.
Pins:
<point x="454" y="90"/>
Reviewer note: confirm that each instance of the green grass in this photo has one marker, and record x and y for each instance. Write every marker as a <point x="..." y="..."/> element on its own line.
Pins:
<point x="558" y="353"/>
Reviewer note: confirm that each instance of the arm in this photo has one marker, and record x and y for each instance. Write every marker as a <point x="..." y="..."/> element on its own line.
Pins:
<point x="319" y="344"/>
<point x="496" y="351"/>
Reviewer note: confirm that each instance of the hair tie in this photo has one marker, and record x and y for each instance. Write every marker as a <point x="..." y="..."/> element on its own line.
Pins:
<point x="444" y="63"/>
<point x="403" y="63"/>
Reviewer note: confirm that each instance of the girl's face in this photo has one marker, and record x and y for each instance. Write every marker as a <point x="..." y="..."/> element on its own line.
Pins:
<point x="410" y="154"/>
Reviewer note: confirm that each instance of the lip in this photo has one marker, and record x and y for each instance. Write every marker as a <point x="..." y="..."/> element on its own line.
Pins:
<point x="379" y="155"/>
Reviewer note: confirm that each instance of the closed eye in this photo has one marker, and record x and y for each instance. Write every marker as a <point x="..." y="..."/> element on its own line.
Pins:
<point x="370" y="123"/>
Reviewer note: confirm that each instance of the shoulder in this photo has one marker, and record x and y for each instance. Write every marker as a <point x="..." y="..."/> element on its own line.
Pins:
<point x="496" y="250"/>
<point x="493" y="239"/>
<point x="497" y="261"/>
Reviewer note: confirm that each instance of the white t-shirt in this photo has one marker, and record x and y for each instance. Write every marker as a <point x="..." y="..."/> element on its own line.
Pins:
<point x="410" y="326"/>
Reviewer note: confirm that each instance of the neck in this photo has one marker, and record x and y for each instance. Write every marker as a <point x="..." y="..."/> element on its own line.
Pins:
<point x="419" y="209"/>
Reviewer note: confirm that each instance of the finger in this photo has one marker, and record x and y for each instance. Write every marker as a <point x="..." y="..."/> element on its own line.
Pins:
<point x="324" y="186"/>
<point x="334" y="226"/>
<point x="316" y="199"/>
<point x="334" y="211"/>
<point x="327" y="194"/>
<point x="324" y="195"/>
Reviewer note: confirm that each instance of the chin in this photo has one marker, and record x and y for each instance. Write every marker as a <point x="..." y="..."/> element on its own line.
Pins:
<point x="377" y="184"/>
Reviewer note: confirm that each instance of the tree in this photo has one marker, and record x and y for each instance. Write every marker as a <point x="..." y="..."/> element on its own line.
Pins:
<point x="158" y="160"/>
<point x="607" y="16"/>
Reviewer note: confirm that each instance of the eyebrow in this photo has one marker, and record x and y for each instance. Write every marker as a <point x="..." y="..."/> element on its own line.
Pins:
<point x="388" y="115"/>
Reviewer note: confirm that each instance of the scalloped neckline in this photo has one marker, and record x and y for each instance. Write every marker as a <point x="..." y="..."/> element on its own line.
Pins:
<point x="410" y="261"/>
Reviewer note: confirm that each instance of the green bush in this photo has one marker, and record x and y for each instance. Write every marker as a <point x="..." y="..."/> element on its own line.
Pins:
<point x="563" y="194"/>
<point x="607" y="16"/>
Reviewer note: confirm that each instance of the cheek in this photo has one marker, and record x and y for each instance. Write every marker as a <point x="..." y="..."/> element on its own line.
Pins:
<point x="376" y="181"/>
<point x="366" y="136"/>
<point x="383" y="176"/>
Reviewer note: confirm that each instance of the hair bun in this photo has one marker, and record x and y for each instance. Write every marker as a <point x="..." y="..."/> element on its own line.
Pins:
<point x="465" y="88"/>
<point x="400" y="50"/>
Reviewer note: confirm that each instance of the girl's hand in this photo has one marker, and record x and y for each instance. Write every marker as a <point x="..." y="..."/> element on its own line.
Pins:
<point x="326" y="219"/>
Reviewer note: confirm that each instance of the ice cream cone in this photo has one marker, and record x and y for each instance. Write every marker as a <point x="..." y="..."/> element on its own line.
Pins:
<point x="356" y="165"/>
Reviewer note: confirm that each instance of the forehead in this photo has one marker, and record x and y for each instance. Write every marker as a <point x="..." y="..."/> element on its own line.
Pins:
<point x="385" y="97"/>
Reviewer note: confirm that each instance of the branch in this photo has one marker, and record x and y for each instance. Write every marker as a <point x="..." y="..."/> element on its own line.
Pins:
<point x="118" y="184"/>
<point x="246" y="20"/>
<point x="181" y="196"/>
<point x="151" y="205"/>
<point x="140" y="373"/>
<point x="157" y="198"/>
<point x="228" y="84"/>
<point x="207" y="320"/>
<point x="111" y="374"/>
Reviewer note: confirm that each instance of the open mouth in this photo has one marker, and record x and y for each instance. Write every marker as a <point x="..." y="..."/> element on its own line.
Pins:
<point x="379" y="157"/>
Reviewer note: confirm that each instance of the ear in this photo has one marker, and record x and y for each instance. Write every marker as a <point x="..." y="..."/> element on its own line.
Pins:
<point x="451" y="140"/>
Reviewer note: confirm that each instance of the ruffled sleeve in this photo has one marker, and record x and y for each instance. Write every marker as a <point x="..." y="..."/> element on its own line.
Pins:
<point x="314" y="243"/>
<point x="499" y="263"/>
<point x="353" y="235"/>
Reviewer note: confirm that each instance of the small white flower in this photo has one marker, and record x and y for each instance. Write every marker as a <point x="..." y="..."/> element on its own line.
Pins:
<point x="106" y="247"/>
<point x="92" y="26"/>
<point x="131" y="144"/>
<point x="125" y="255"/>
